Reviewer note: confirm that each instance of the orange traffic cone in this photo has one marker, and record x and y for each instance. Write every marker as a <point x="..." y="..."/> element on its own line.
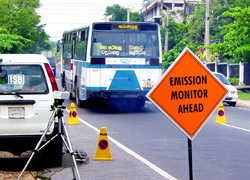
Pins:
<point x="103" y="150"/>
<point x="73" y="118"/>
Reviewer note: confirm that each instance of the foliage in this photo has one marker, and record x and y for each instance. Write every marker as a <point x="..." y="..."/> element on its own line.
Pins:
<point x="236" y="42"/>
<point x="116" y="12"/>
<point x="12" y="43"/>
<point x="234" y="81"/>
<point x="172" y="54"/>
<point x="57" y="56"/>
<point x="230" y="26"/>
<point x="119" y="13"/>
<point x="134" y="16"/>
<point x="201" y="53"/>
<point x="56" y="48"/>
<point x="20" y="20"/>
<point x="177" y="41"/>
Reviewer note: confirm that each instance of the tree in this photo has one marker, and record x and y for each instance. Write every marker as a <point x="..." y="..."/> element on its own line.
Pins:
<point x="192" y="33"/>
<point x="20" y="18"/>
<point x="134" y="16"/>
<point x="236" y="42"/>
<point x="12" y="43"/>
<point x="119" y="13"/>
<point x="116" y="12"/>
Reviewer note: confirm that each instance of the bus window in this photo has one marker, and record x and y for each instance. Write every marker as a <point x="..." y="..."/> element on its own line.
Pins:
<point x="81" y="46"/>
<point x="83" y="36"/>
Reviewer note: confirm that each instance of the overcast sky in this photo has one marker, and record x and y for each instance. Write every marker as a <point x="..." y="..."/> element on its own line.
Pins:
<point x="61" y="15"/>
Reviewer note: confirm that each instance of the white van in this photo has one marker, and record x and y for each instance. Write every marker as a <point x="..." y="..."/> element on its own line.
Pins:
<point x="232" y="96"/>
<point x="27" y="84"/>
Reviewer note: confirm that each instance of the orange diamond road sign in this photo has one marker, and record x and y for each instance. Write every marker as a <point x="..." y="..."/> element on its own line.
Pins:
<point x="187" y="93"/>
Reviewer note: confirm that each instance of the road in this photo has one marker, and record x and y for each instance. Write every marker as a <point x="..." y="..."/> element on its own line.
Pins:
<point x="146" y="145"/>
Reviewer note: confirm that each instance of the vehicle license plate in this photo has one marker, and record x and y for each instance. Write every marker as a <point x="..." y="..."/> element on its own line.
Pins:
<point x="148" y="84"/>
<point x="16" y="112"/>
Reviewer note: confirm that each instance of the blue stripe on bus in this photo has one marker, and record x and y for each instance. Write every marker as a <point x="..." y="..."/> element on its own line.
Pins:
<point x="125" y="80"/>
<point x="96" y="88"/>
<point x="103" y="89"/>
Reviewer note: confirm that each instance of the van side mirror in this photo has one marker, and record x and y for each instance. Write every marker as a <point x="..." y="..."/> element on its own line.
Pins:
<point x="3" y="73"/>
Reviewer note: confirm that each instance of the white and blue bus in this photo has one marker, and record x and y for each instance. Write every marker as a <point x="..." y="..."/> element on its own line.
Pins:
<point x="111" y="60"/>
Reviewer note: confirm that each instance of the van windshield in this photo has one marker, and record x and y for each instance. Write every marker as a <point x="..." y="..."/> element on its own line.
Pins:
<point x="222" y="78"/>
<point x="23" y="79"/>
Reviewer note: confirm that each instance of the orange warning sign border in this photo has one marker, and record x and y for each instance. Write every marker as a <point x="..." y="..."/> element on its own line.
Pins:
<point x="165" y="87"/>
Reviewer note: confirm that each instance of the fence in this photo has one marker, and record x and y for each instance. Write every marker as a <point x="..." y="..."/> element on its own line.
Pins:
<point x="241" y="70"/>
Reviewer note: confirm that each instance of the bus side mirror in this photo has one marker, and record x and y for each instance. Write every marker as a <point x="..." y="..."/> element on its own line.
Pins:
<point x="58" y="46"/>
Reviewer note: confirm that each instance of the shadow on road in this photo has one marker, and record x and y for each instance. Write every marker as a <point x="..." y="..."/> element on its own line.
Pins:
<point x="116" y="107"/>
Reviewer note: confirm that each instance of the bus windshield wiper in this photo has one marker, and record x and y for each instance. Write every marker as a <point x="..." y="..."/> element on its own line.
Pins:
<point x="13" y="93"/>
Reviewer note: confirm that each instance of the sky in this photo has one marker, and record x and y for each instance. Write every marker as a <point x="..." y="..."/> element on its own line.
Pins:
<point x="62" y="15"/>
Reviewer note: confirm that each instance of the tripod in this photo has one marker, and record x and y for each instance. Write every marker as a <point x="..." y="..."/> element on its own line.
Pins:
<point x="57" y="113"/>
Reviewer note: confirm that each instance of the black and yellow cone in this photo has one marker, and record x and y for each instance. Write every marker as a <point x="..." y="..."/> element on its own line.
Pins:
<point x="73" y="118"/>
<point x="103" y="150"/>
<point x="221" y="118"/>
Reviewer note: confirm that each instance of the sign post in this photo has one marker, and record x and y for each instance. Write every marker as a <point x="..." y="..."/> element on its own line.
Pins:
<point x="187" y="93"/>
<point x="190" y="159"/>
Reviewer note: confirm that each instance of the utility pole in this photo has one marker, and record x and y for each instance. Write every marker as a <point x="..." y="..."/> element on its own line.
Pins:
<point x="185" y="12"/>
<point x="162" y="13"/>
<point x="207" y="32"/>
<point x="128" y="14"/>
<point x="161" y="6"/>
<point x="167" y="25"/>
<point x="166" y="35"/>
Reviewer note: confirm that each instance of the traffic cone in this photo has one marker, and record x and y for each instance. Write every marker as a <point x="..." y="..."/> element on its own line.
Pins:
<point x="221" y="118"/>
<point x="103" y="150"/>
<point x="73" y="118"/>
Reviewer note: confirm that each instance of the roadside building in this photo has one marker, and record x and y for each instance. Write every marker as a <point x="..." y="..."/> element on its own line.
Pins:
<point x="152" y="11"/>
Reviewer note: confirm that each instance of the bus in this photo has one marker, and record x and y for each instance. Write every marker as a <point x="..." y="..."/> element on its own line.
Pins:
<point x="111" y="61"/>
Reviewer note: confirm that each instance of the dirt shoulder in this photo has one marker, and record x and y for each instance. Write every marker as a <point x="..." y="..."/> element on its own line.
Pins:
<point x="11" y="175"/>
<point x="241" y="102"/>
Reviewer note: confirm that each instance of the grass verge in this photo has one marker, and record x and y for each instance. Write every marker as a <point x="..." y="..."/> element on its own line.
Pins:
<point x="244" y="96"/>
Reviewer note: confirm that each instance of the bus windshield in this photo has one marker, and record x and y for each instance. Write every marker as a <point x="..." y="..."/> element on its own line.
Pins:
<point x="129" y="44"/>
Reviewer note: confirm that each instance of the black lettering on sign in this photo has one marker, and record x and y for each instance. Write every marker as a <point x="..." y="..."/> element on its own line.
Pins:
<point x="188" y="80"/>
<point x="190" y="108"/>
<point x="189" y="94"/>
<point x="103" y="134"/>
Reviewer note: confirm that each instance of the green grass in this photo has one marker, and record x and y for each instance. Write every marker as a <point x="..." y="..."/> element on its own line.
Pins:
<point x="245" y="96"/>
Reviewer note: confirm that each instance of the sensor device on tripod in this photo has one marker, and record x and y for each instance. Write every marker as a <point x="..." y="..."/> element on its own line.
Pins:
<point x="59" y="97"/>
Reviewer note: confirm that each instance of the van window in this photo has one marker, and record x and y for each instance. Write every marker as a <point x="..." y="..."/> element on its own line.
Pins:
<point x="23" y="79"/>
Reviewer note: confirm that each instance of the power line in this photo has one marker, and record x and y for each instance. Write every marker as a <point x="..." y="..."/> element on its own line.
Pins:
<point x="89" y="4"/>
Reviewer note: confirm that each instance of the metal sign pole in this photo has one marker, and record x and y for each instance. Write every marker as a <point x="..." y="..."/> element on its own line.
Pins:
<point x="190" y="161"/>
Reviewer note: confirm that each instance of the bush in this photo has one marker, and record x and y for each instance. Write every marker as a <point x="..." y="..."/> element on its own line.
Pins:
<point x="234" y="81"/>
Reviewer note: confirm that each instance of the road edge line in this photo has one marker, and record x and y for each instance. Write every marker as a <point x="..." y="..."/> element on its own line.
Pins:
<point x="235" y="127"/>
<point x="132" y="153"/>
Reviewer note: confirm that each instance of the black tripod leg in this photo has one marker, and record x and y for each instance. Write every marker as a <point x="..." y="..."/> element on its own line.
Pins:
<point x="67" y="144"/>
<point x="36" y="148"/>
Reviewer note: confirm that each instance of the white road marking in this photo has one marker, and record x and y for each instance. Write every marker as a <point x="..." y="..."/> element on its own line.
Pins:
<point x="243" y="108"/>
<point x="134" y="154"/>
<point x="247" y="130"/>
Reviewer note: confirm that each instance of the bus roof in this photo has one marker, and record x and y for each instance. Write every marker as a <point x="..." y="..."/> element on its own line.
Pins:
<point x="113" y="22"/>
